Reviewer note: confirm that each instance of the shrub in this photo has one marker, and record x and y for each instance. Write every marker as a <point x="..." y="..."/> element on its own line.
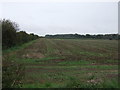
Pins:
<point x="12" y="73"/>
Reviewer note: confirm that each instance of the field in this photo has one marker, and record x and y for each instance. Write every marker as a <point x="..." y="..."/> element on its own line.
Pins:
<point x="68" y="63"/>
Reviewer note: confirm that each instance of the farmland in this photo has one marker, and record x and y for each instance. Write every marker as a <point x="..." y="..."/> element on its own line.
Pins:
<point x="68" y="63"/>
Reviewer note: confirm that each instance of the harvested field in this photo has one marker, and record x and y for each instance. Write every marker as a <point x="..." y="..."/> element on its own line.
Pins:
<point x="69" y="63"/>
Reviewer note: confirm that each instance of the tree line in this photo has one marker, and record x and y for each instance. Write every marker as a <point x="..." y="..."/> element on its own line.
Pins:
<point x="11" y="36"/>
<point x="12" y="71"/>
<point x="78" y="36"/>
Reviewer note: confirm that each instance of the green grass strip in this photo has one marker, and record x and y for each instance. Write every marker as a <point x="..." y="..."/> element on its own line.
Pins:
<point x="15" y="48"/>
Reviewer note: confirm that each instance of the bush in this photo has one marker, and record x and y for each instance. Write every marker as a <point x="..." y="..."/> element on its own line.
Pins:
<point x="12" y="74"/>
<point x="8" y="33"/>
<point x="11" y="36"/>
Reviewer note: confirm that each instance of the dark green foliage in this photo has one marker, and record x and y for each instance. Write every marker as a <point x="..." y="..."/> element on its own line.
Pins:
<point x="11" y="36"/>
<point x="8" y="33"/>
<point x="75" y="36"/>
<point x="23" y="37"/>
<point x="12" y="74"/>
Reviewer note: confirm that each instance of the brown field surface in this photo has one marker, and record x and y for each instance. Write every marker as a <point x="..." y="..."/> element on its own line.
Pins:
<point x="64" y="63"/>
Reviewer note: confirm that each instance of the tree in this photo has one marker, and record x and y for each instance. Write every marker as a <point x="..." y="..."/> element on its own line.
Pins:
<point x="9" y="29"/>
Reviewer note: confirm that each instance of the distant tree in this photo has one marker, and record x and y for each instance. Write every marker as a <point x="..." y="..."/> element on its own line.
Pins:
<point x="73" y="36"/>
<point x="21" y="37"/>
<point x="88" y="36"/>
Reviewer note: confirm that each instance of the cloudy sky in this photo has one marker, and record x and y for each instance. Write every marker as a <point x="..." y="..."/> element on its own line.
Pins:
<point x="63" y="17"/>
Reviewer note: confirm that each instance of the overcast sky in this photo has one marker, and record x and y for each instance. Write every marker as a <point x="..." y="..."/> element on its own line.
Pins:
<point x="64" y="18"/>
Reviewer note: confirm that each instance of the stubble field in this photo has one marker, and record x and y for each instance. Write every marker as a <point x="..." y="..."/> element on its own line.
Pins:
<point x="69" y="63"/>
